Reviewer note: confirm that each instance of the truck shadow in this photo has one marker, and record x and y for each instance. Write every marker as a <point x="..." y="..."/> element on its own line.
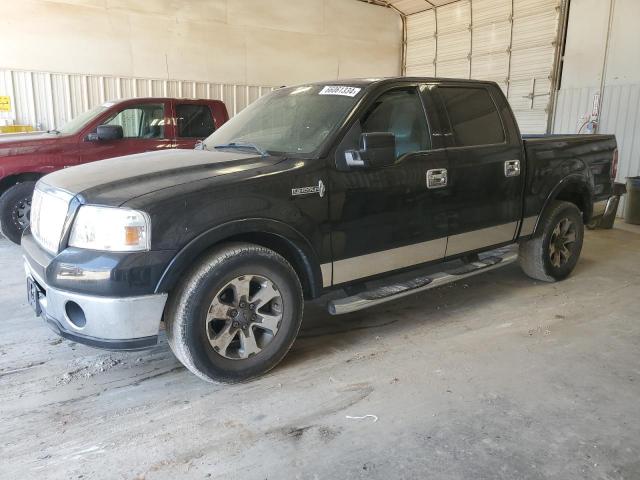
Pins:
<point x="322" y="333"/>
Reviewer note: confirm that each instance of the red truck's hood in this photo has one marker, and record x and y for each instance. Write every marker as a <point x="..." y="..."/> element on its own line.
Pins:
<point x="26" y="143"/>
<point x="17" y="140"/>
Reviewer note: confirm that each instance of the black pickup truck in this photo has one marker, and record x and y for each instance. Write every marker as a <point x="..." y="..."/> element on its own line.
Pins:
<point x="376" y="188"/>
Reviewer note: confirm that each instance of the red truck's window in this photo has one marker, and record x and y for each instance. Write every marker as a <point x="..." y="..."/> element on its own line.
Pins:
<point x="194" y="121"/>
<point x="141" y="121"/>
<point x="473" y="115"/>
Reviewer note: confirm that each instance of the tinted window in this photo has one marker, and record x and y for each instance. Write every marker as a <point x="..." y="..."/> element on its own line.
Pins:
<point x="194" y="121"/>
<point x="141" y="121"/>
<point x="473" y="116"/>
<point x="399" y="112"/>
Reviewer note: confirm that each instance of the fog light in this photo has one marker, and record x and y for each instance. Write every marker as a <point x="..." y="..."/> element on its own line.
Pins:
<point x="75" y="314"/>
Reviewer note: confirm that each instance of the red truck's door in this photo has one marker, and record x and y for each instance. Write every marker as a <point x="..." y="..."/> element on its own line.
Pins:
<point x="194" y="121"/>
<point x="146" y="127"/>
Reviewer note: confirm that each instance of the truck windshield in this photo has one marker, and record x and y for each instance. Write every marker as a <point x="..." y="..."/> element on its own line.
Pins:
<point x="73" y="126"/>
<point x="289" y="121"/>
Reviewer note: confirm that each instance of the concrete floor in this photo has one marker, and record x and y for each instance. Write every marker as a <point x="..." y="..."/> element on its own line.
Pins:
<point x="496" y="377"/>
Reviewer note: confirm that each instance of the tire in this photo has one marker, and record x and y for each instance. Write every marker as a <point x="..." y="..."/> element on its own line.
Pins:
<point x="200" y="318"/>
<point x="541" y="257"/>
<point x="15" y="210"/>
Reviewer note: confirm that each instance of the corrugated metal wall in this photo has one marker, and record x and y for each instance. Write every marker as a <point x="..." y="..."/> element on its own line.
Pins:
<point x="47" y="100"/>
<point x="620" y="115"/>
<point x="510" y="42"/>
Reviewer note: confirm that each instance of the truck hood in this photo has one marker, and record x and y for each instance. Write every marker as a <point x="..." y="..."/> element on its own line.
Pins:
<point x="117" y="180"/>
<point x="18" y="140"/>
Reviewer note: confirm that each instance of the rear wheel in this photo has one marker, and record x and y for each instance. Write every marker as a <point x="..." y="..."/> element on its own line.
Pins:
<point x="554" y="252"/>
<point x="15" y="210"/>
<point x="236" y="314"/>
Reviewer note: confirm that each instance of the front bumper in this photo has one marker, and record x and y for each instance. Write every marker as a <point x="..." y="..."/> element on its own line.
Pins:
<point x="113" y="323"/>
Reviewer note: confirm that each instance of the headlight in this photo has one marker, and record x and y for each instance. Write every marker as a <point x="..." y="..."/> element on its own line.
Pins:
<point x="111" y="229"/>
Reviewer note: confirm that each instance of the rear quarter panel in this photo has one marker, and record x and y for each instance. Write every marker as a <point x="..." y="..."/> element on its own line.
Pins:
<point x="554" y="160"/>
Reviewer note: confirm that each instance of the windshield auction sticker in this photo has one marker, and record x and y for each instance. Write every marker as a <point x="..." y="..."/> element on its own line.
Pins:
<point x="340" y="90"/>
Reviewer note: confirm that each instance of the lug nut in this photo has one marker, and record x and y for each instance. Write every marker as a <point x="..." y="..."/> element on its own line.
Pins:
<point x="243" y="305"/>
<point x="235" y="324"/>
<point x="251" y="306"/>
<point x="254" y="317"/>
<point x="233" y="313"/>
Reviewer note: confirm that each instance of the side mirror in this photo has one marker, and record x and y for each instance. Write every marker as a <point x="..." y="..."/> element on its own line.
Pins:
<point x="376" y="150"/>
<point x="106" y="132"/>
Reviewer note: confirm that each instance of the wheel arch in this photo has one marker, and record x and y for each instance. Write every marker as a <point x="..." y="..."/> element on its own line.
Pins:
<point x="573" y="189"/>
<point x="11" y="180"/>
<point x="272" y="234"/>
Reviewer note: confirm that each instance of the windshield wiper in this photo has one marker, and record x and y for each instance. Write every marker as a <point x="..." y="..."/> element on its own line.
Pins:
<point x="240" y="145"/>
<point x="56" y="132"/>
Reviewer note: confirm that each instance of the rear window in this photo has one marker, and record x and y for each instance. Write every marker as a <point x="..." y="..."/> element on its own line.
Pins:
<point x="473" y="116"/>
<point x="194" y="121"/>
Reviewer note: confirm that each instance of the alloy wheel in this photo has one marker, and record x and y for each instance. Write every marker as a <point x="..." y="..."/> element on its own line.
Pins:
<point x="244" y="317"/>
<point x="563" y="238"/>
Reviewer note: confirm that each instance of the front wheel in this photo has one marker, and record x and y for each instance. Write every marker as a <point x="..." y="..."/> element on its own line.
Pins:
<point x="236" y="314"/>
<point x="554" y="252"/>
<point x="15" y="210"/>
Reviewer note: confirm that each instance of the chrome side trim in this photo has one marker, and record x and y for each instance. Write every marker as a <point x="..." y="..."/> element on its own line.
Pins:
<point x="359" y="302"/>
<point x="327" y="270"/>
<point x="485" y="237"/>
<point x="528" y="225"/>
<point x="388" y="260"/>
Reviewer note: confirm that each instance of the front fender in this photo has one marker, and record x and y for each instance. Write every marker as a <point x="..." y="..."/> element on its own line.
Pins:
<point x="299" y="246"/>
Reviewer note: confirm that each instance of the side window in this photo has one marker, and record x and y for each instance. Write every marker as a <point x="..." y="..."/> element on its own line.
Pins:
<point x="399" y="112"/>
<point x="194" y="121"/>
<point x="140" y="121"/>
<point x="473" y="116"/>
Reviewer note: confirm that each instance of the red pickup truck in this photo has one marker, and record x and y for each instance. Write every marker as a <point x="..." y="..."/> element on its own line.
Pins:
<point x="112" y="129"/>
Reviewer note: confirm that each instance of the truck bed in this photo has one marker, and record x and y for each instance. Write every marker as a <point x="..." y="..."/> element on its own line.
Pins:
<point x="555" y="158"/>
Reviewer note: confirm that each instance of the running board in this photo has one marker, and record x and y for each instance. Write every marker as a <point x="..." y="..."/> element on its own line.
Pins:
<point x="392" y="291"/>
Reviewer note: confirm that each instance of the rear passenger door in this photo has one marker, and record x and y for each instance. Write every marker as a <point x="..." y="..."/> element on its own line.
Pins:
<point x="194" y="121"/>
<point x="485" y="158"/>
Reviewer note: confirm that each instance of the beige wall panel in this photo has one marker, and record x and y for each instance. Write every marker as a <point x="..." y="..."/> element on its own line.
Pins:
<point x="254" y="42"/>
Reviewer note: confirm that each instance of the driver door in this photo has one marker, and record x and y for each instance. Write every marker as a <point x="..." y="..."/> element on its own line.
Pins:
<point x="388" y="219"/>
<point x="144" y="128"/>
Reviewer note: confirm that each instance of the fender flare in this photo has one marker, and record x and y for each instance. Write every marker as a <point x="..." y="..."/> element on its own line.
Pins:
<point x="571" y="179"/>
<point x="299" y="246"/>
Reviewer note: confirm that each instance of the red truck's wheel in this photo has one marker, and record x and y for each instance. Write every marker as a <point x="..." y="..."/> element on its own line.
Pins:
<point x="15" y="210"/>
<point x="554" y="252"/>
<point x="236" y="314"/>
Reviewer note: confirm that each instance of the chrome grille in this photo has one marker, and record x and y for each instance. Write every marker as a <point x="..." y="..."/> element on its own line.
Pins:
<point x="49" y="208"/>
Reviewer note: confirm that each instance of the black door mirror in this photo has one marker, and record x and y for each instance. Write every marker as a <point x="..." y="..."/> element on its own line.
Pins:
<point x="107" y="132"/>
<point x="376" y="150"/>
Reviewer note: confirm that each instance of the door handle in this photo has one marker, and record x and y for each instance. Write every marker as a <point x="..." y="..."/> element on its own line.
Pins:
<point x="437" y="178"/>
<point x="512" y="168"/>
